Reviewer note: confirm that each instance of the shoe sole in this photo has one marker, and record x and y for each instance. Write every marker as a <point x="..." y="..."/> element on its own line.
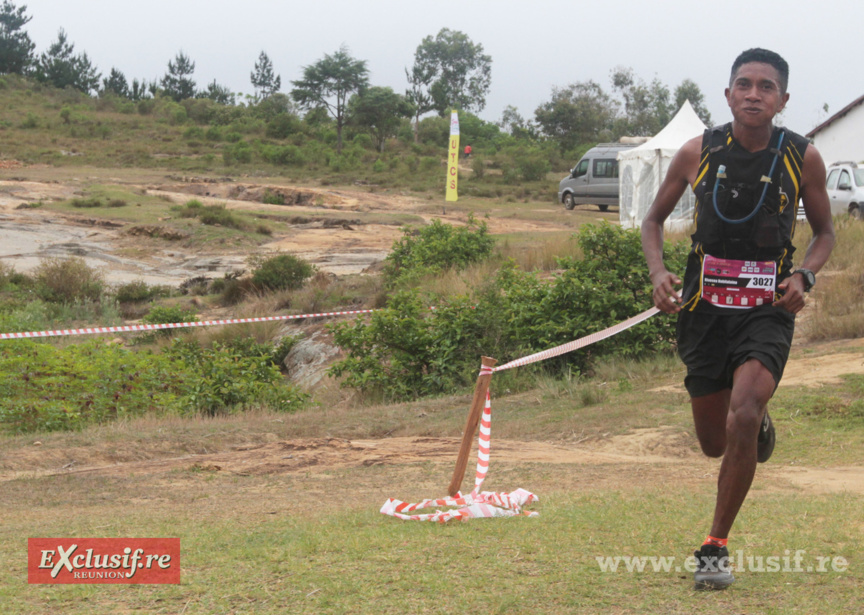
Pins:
<point x="765" y="448"/>
<point x="716" y="581"/>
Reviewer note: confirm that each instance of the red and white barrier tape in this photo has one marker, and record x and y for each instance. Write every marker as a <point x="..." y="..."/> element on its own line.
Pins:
<point x="477" y="504"/>
<point x="580" y="343"/>
<point x="487" y="503"/>
<point x="171" y="325"/>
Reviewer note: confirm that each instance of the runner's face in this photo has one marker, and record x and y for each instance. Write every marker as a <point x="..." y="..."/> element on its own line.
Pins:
<point x="754" y="96"/>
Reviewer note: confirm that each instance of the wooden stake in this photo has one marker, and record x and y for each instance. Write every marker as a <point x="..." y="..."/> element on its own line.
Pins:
<point x="474" y="414"/>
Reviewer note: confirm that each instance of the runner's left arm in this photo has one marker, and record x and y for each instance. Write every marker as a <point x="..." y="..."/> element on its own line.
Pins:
<point x="817" y="208"/>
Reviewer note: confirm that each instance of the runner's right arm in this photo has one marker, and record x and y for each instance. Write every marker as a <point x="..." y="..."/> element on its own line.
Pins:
<point x="681" y="173"/>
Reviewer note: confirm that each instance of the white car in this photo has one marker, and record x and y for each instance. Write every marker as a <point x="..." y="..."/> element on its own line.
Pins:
<point x="846" y="189"/>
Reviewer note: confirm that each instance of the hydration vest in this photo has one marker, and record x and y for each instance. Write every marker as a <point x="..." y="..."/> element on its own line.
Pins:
<point x="748" y="212"/>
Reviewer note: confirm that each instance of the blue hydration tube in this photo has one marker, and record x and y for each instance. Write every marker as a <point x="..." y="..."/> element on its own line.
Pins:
<point x="721" y="174"/>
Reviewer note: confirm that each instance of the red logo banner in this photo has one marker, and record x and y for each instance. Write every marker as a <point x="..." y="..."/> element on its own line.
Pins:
<point x="103" y="560"/>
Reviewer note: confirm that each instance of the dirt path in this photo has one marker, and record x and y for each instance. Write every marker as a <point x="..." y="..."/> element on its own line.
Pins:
<point x="665" y="450"/>
<point x="326" y="233"/>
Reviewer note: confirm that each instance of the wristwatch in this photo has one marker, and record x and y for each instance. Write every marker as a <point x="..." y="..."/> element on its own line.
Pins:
<point x="809" y="278"/>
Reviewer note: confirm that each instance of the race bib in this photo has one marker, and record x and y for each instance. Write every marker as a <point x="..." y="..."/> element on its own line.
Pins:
<point x="738" y="284"/>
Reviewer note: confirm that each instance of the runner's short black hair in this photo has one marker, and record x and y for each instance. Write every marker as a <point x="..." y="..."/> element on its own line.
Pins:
<point x="766" y="57"/>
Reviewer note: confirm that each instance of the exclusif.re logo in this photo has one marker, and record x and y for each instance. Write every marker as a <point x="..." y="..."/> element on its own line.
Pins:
<point x="103" y="560"/>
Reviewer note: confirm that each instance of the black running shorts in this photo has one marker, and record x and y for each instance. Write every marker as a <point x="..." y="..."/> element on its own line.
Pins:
<point x="713" y="346"/>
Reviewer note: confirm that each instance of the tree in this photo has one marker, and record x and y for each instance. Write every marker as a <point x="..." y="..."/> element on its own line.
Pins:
<point x="688" y="90"/>
<point x="219" y="94"/>
<point x="60" y="67"/>
<point x="453" y="70"/>
<point x="578" y="114"/>
<point x="419" y="80"/>
<point x="328" y="83"/>
<point x="379" y="110"/>
<point x="177" y="82"/>
<point x="16" y="48"/>
<point x="514" y="124"/>
<point x="115" y="84"/>
<point x="263" y="79"/>
<point x="141" y="90"/>
<point x="647" y="107"/>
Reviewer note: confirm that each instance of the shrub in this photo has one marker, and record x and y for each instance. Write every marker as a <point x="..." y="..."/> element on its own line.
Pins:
<point x="160" y="315"/>
<point x="231" y="290"/>
<point x="31" y="122"/>
<point x="272" y="197"/>
<point x="217" y="215"/>
<point x="437" y="247"/>
<point x="478" y="166"/>
<point x="532" y="165"/>
<point x="193" y="133"/>
<point x="228" y="377"/>
<point x="134" y="292"/>
<point x="213" y="215"/>
<point x="237" y="153"/>
<point x="405" y="351"/>
<point x="86" y="203"/>
<point x="283" y="126"/>
<point x="67" y="281"/>
<point x="289" y="155"/>
<point x="7" y="272"/>
<point x="43" y="387"/>
<point x="282" y="272"/>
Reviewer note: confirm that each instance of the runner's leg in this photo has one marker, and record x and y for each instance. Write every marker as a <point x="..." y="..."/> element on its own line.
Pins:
<point x="753" y="386"/>
<point x="709" y="418"/>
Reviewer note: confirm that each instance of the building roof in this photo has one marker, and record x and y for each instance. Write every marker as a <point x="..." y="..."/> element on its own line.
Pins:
<point x="835" y="117"/>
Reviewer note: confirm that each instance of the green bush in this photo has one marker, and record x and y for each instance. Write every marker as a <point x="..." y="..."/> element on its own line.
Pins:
<point x="227" y="377"/>
<point x="212" y="215"/>
<point x="86" y="203"/>
<point x="217" y="215"/>
<point x="533" y="165"/>
<point x="160" y="315"/>
<point x="67" y="281"/>
<point x="272" y="197"/>
<point x="134" y="292"/>
<point x="283" y="126"/>
<point x="437" y="247"/>
<point x="43" y="387"/>
<point x="282" y="272"/>
<point x="287" y="155"/>
<point x="237" y="152"/>
<point x="405" y="350"/>
<point x="478" y="166"/>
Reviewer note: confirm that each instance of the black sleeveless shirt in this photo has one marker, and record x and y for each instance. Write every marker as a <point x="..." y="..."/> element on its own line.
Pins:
<point x="767" y="234"/>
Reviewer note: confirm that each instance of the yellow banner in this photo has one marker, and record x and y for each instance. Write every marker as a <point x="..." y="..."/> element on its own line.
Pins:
<point x="453" y="159"/>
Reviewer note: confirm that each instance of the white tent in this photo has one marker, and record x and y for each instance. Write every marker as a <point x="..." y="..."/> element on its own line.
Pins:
<point x="642" y="169"/>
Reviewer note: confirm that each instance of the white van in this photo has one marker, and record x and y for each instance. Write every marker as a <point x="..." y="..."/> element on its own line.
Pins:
<point x="594" y="179"/>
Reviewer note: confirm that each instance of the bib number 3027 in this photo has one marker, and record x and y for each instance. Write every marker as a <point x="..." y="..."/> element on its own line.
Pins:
<point x="738" y="284"/>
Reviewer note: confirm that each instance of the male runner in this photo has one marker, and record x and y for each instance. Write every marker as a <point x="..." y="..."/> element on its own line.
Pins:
<point x="736" y="311"/>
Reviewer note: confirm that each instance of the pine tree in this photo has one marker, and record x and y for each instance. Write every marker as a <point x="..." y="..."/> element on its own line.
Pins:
<point x="177" y="82"/>
<point x="263" y="78"/>
<point x="16" y="48"/>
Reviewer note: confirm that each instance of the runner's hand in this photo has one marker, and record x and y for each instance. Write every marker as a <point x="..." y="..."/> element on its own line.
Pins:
<point x="793" y="294"/>
<point x="666" y="298"/>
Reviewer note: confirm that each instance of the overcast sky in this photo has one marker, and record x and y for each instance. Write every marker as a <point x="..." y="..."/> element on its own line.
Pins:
<point x="534" y="45"/>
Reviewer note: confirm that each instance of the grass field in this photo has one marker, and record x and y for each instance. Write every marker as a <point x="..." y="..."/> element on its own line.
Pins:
<point x="309" y="538"/>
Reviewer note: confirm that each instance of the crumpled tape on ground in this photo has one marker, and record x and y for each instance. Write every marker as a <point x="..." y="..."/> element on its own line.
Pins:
<point x="484" y="504"/>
